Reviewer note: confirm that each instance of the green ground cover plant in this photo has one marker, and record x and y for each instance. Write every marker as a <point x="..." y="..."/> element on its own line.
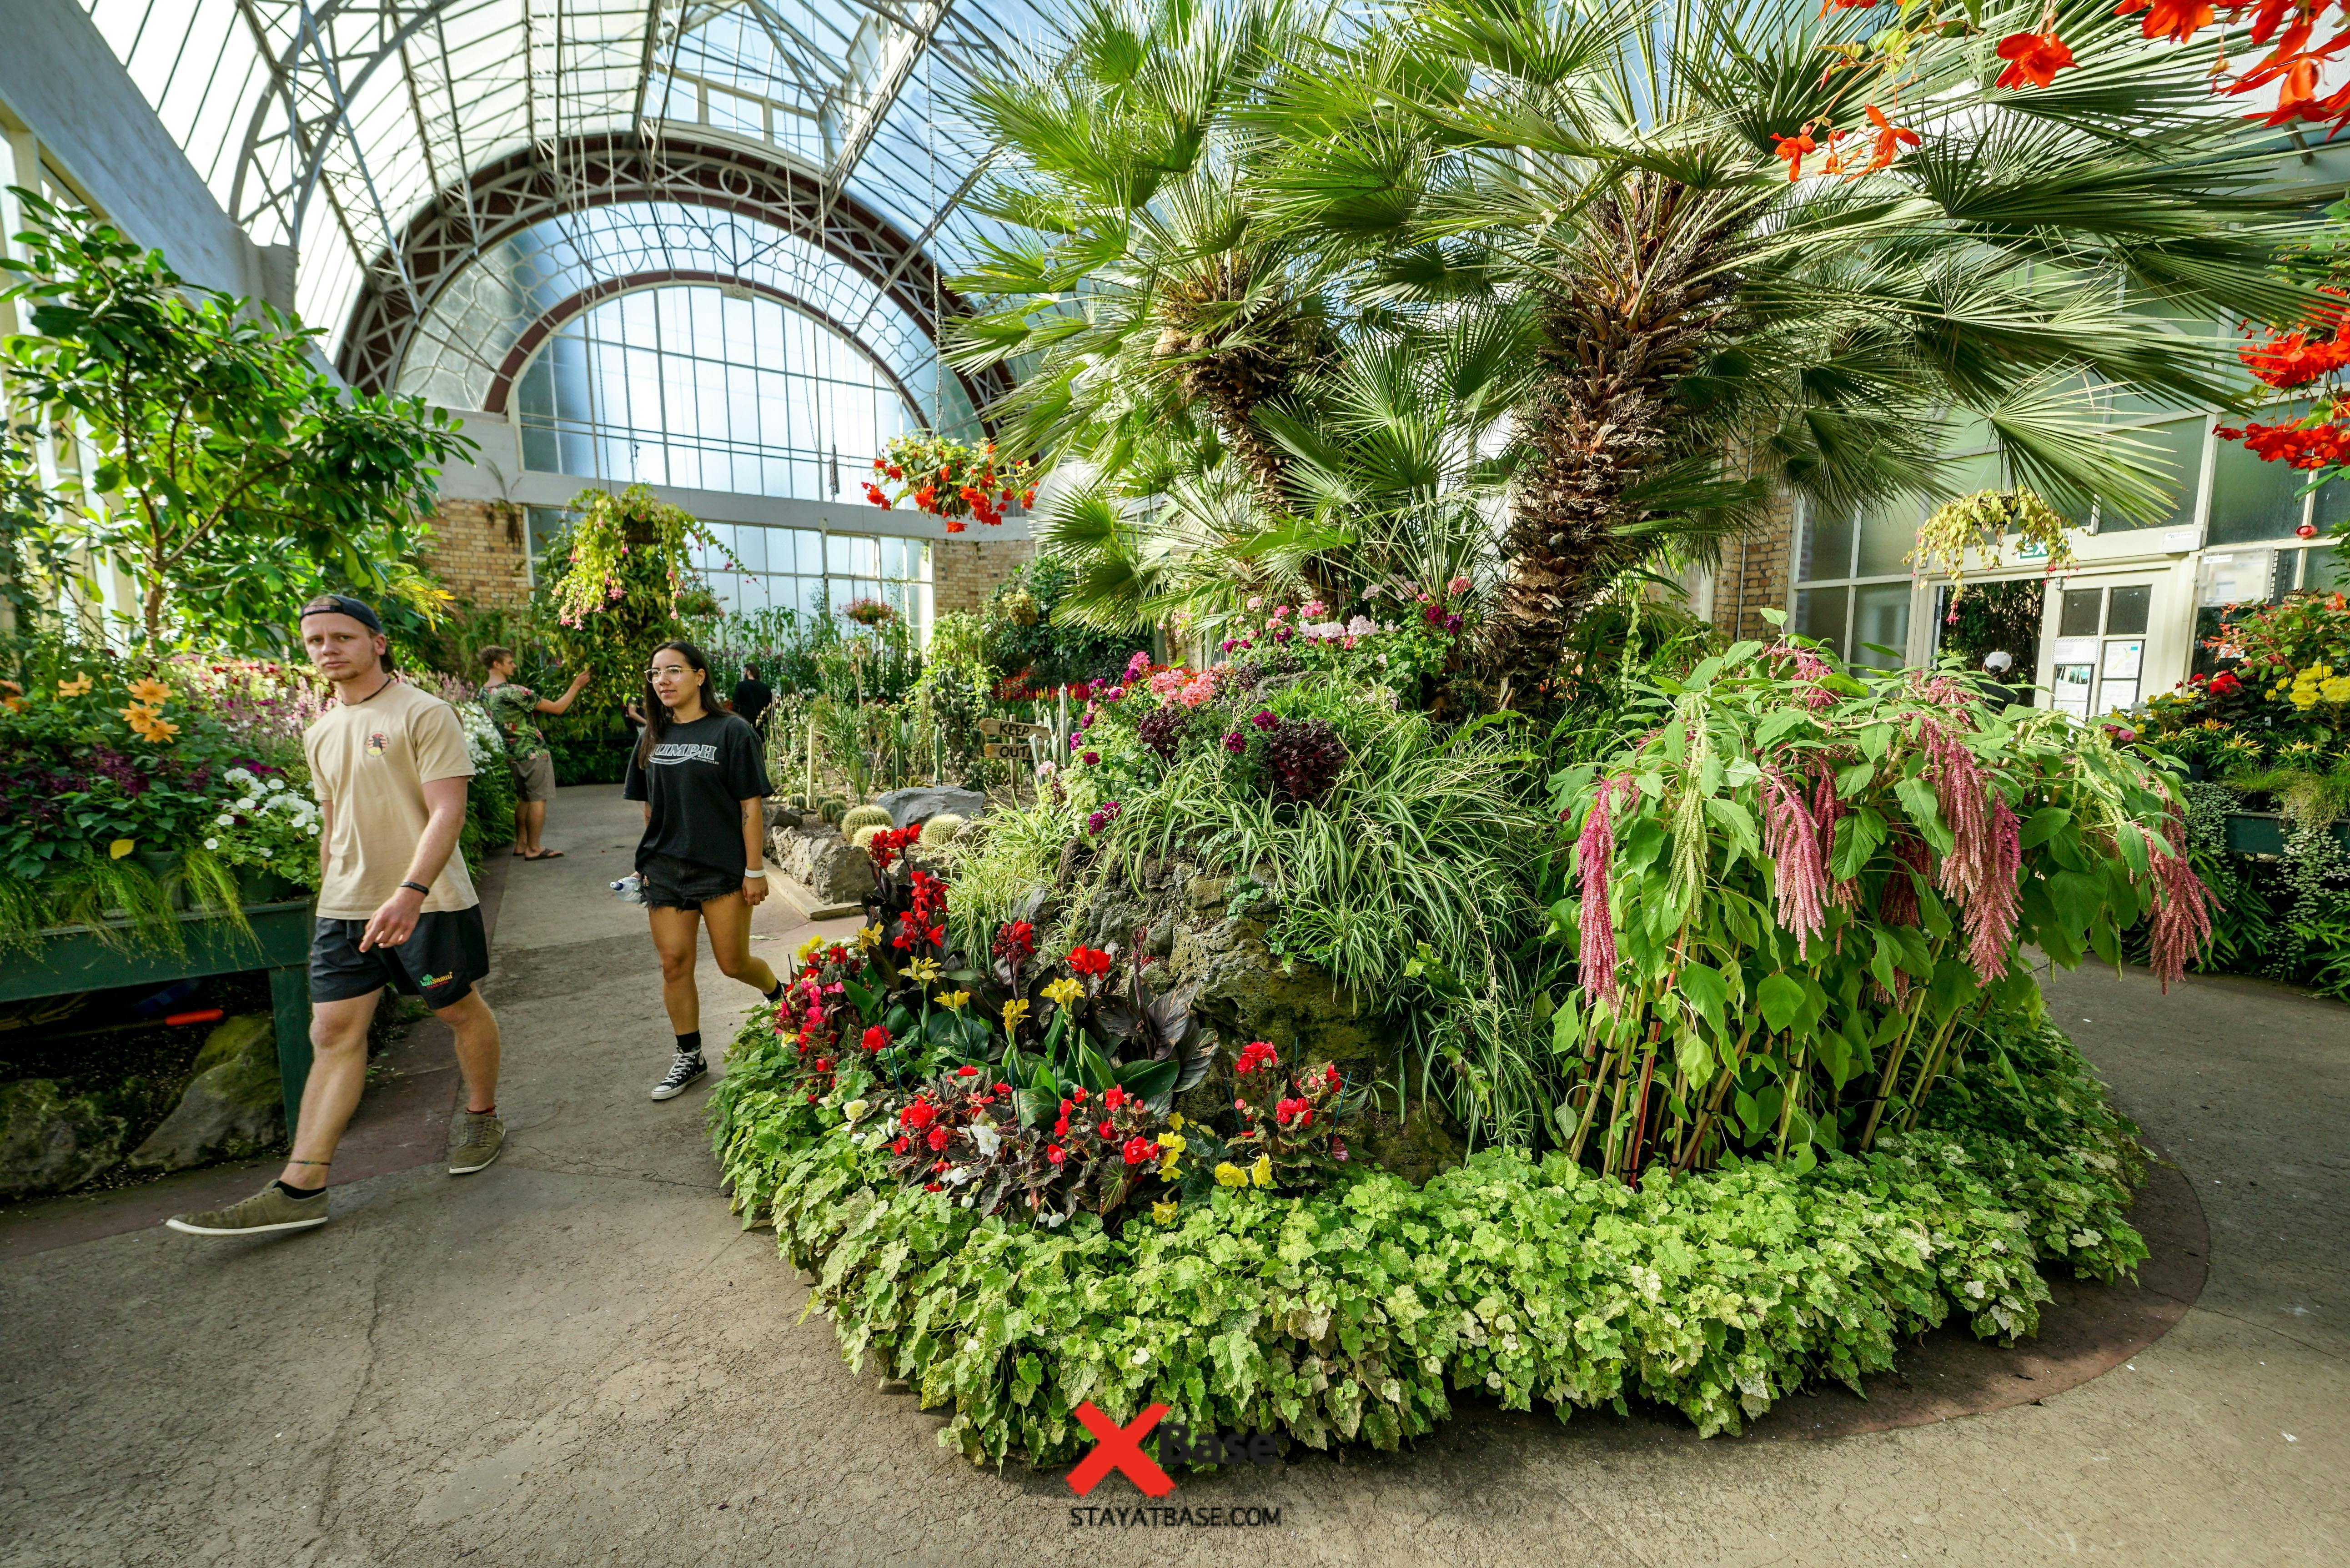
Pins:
<point x="1359" y="1312"/>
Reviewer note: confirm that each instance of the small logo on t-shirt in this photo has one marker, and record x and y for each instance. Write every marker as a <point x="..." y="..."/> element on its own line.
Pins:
<point x="671" y="752"/>
<point x="377" y="742"/>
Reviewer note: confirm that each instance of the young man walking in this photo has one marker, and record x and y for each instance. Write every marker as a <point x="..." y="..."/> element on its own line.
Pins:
<point x="389" y="765"/>
<point x="510" y="707"/>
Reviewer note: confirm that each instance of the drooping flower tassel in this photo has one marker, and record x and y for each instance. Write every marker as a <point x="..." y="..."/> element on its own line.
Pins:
<point x="2182" y="906"/>
<point x="1595" y="859"/>
<point x="1800" y="873"/>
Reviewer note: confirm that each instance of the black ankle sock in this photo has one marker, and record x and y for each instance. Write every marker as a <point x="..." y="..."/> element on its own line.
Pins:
<point x="777" y="994"/>
<point x="291" y="1191"/>
<point x="690" y="1044"/>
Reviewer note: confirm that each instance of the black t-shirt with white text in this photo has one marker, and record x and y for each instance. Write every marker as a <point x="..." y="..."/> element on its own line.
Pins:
<point x="700" y="775"/>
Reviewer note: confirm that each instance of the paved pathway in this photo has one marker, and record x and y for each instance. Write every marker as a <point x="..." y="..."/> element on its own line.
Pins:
<point x="576" y="1357"/>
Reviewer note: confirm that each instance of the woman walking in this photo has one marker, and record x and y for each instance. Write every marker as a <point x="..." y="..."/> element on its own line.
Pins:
<point x="701" y="777"/>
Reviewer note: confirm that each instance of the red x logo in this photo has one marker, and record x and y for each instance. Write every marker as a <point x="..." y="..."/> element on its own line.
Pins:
<point x="1121" y="1449"/>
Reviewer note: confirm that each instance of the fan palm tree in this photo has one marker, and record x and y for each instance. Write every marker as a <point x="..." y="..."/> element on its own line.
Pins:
<point x="1150" y="314"/>
<point x="1733" y="251"/>
<point x="1770" y="249"/>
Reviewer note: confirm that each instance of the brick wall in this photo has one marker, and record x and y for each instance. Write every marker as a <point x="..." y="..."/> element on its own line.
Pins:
<point x="1753" y="574"/>
<point x="964" y="572"/>
<point x="478" y="552"/>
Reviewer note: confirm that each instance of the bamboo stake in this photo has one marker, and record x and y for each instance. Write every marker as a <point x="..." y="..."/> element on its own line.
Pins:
<point x="1641" y="1120"/>
<point x="1689" y="1151"/>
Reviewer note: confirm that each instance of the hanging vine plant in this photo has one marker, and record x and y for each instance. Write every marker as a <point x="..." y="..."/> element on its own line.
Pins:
<point x="950" y="480"/>
<point x="1982" y="521"/>
<point x="628" y="580"/>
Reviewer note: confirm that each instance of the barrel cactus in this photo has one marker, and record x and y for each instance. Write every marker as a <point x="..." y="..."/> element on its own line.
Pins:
<point x="864" y="816"/>
<point x="941" y="829"/>
<point x="832" y="808"/>
<point x="863" y="836"/>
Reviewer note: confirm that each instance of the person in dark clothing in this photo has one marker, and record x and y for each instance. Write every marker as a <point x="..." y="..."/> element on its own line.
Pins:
<point x="752" y="697"/>
<point x="701" y="777"/>
<point x="1998" y="695"/>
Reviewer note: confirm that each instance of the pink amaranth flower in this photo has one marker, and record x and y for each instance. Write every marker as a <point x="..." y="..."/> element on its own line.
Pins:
<point x="1800" y="873"/>
<point x="1595" y="860"/>
<point x="2182" y="913"/>
<point x="1457" y="585"/>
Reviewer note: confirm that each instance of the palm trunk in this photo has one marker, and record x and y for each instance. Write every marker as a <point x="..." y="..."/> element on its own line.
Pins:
<point x="1624" y="327"/>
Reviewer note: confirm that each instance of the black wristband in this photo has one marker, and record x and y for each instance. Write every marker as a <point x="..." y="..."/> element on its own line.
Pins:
<point x="420" y="887"/>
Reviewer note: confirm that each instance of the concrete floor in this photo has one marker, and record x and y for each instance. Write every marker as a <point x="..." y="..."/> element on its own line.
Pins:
<point x="576" y="1357"/>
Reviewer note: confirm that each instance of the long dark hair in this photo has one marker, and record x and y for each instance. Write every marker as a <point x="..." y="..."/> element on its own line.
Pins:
<point x="657" y="714"/>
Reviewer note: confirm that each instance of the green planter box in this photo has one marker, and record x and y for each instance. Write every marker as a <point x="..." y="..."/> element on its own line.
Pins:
<point x="73" y="959"/>
<point x="2264" y="832"/>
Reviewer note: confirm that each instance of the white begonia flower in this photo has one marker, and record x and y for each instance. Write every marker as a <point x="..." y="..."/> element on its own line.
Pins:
<point x="988" y="1139"/>
<point x="212" y="844"/>
<point x="854" y="1109"/>
<point x="225" y="820"/>
<point x="960" y="1175"/>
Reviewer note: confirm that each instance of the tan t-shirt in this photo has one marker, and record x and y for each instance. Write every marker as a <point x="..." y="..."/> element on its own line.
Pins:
<point x="372" y="760"/>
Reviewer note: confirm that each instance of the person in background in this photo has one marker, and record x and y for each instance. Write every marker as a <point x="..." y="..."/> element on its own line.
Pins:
<point x="752" y="697"/>
<point x="396" y="907"/>
<point x="510" y="707"/>
<point x="1997" y="665"/>
<point x="703" y="777"/>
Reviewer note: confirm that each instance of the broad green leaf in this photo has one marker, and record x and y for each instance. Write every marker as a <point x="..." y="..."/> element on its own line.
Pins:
<point x="1782" y="999"/>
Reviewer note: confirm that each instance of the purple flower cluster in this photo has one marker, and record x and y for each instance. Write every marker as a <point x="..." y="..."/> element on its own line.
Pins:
<point x="1162" y="730"/>
<point x="1102" y="819"/>
<point x="1305" y="757"/>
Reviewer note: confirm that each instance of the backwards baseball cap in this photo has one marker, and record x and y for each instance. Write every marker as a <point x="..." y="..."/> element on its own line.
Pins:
<point x="338" y="603"/>
<point x="342" y="603"/>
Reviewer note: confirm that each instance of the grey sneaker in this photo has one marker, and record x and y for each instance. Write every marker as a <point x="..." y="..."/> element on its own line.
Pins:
<point x="267" y="1210"/>
<point x="682" y="1072"/>
<point x="475" y="1139"/>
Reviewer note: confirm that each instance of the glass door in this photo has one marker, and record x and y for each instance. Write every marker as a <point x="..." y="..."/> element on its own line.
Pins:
<point x="2097" y="661"/>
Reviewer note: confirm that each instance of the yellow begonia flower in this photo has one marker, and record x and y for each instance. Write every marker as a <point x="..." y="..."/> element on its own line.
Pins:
<point x="119" y="847"/>
<point x="1262" y="1170"/>
<point x="1163" y="1212"/>
<point x="1174" y="1121"/>
<point x="152" y="693"/>
<point x="867" y="938"/>
<point x="1063" y="992"/>
<point x="1172" y="1142"/>
<point x="73" y="688"/>
<point x="1170" y="1168"/>
<point x="953" y="1000"/>
<point x="807" y="950"/>
<point x="923" y="970"/>
<point x="1014" y="1011"/>
<point x="1230" y="1175"/>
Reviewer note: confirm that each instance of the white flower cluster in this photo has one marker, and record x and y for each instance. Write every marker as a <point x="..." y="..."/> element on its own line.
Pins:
<point x="267" y="816"/>
<point x="484" y="744"/>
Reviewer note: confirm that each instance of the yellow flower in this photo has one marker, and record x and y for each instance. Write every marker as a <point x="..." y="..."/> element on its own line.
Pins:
<point x="1262" y="1170"/>
<point x="150" y="724"/>
<point x="1230" y="1175"/>
<point x="808" y="950"/>
<point x="923" y="970"/>
<point x="1063" y="992"/>
<point x="119" y="848"/>
<point x="1174" y="1121"/>
<point x="151" y="692"/>
<point x="1014" y="1011"/>
<point x="867" y="938"/>
<point x="1172" y="1142"/>
<point x="1170" y="1168"/>
<point x="1163" y="1212"/>
<point x="953" y="1000"/>
<point x="73" y="688"/>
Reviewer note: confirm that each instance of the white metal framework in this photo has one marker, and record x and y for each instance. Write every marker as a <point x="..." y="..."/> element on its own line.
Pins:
<point x="337" y="126"/>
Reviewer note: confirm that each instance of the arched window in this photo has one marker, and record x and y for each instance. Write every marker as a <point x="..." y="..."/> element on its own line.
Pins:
<point x="688" y="385"/>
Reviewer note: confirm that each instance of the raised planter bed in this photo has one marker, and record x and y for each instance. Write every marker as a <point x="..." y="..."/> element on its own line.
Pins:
<point x="2264" y="832"/>
<point x="76" y="959"/>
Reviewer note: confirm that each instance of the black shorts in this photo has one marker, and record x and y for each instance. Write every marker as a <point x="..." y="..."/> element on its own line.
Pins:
<point x="440" y="962"/>
<point x="674" y="884"/>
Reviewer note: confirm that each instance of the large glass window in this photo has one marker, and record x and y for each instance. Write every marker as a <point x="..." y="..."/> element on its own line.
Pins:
<point x="755" y="566"/>
<point x="687" y="386"/>
<point x="1853" y="585"/>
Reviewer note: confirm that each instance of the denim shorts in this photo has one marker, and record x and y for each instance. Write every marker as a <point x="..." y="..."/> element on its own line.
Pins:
<point x="673" y="884"/>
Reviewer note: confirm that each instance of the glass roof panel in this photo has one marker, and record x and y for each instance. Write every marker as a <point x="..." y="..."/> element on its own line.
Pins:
<point x="331" y="124"/>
